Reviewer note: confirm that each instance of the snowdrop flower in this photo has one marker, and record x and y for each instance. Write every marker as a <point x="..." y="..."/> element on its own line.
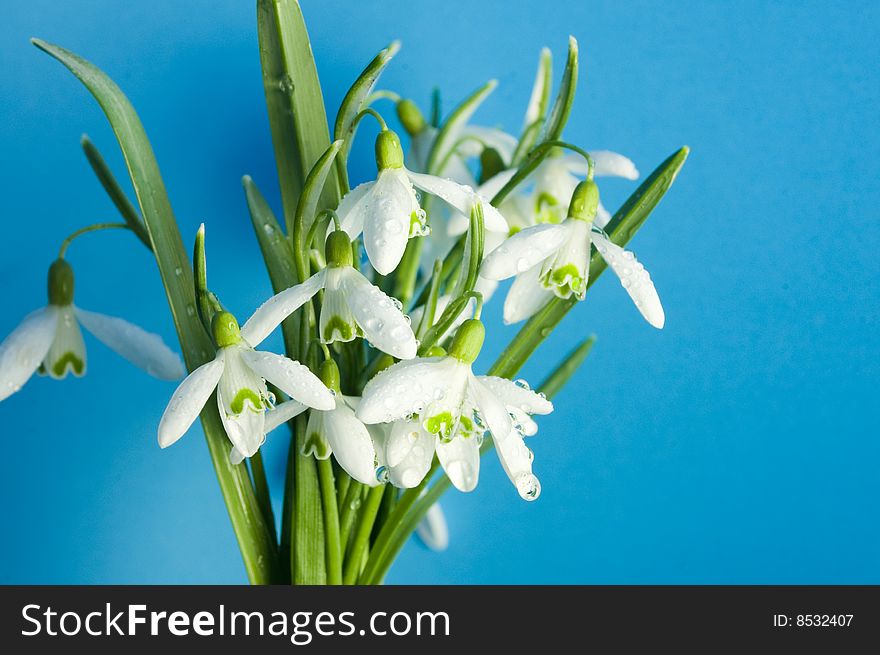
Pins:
<point x="387" y="210"/>
<point x="339" y="432"/>
<point x="557" y="176"/>
<point x="432" y="529"/>
<point x="438" y="405"/>
<point x="352" y="306"/>
<point x="555" y="259"/>
<point x="49" y="340"/>
<point x="239" y="374"/>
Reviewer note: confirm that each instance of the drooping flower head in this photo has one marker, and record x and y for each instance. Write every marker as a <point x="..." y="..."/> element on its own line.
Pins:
<point x="239" y="374"/>
<point x="552" y="260"/>
<point x="437" y="404"/>
<point x="49" y="340"/>
<point x="387" y="210"/>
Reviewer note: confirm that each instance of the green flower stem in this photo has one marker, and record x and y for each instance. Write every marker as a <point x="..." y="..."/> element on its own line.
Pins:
<point x="362" y="534"/>
<point x="308" y="559"/>
<point x="85" y="230"/>
<point x="256" y="542"/>
<point x="261" y="489"/>
<point x="343" y="481"/>
<point x="331" y="522"/>
<point x="350" y="508"/>
<point x="117" y="195"/>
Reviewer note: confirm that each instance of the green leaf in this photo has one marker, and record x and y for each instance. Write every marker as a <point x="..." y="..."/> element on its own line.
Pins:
<point x="567" y="367"/>
<point x="430" y="305"/>
<point x="622" y="227"/>
<point x="256" y="542"/>
<point x="565" y="97"/>
<point x="472" y="256"/>
<point x="307" y="206"/>
<point x="451" y="129"/>
<point x="536" y="111"/>
<point x="355" y="100"/>
<point x="117" y="195"/>
<point x="294" y="100"/>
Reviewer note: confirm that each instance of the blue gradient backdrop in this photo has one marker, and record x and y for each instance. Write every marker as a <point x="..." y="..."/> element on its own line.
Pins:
<point x="738" y="445"/>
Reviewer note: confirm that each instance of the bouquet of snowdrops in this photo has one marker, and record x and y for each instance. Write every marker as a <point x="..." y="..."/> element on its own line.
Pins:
<point x="379" y="292"/>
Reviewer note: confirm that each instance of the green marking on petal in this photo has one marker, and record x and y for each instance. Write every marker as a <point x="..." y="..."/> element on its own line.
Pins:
<point x="547" y="209"/>
<point x="417" y="226"/>
<point x="76" y="364"/>
<point x="316" y="445"/>
<point x="337" y="326"/>
<point x="467" y="425"/>
<point x="237" y="404"/>
<point x="443" y="425"/>
<point x="566" y="280"/>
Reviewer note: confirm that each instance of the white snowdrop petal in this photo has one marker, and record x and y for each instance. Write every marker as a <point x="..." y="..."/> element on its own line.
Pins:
<point x="404" y="388"/>
<point x="68" y="350"/>
<point x="352" y="210"/>
<point x="516" y="460"/>
<point x="432" y="529"/>
<point x="351" y="444"/>
<point x="460" y="459"/>
<point x="612" y="164"/>
<point x="188" y="400"/>
<point x="381" y="320"/>
<point x="516" y="394"/>
<point x="523" y="250"/>
<point x="527" y="425"/>
<point x="633" y="277"/>
<point x="566" y="272"/>
<point x="294" y="379"/>
<point x="493" y="185"/>
<point x="235" y="456"/>
<point x="336" y="323"/>
<point x="491" y="137"/>
<point x="603" y="216"/>
<point x="457" y="195"/>
<point x="490" y="407"/>
<point x="282" y="413"/>
<point x="145" y="350"/>
<point x="526" y="296"/>
<point x="389" y="216"/>
<point x="25" y="348"/>
<point x="245" y="430"/>
<point x="271" y="313"/>
<point x="409" y="450"/>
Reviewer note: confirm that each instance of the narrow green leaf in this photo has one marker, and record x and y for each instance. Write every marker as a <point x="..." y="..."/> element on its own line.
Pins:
<point x="306" y="208"/>
<point x="622" y="227"/>
<point x="565" y="97"/>
<point x="256" y="542"/>
<point x="567" y="367"/>
<point x="294" y="100"/>
<point x="451" y="129"/>
<point x="117" y="195"/>
<point x="472" y="256"/>
<point x="355" y="100"/>
<point x="430" y="305"/>
<point x="536" y="111"/>
<point x="200" y="275"/>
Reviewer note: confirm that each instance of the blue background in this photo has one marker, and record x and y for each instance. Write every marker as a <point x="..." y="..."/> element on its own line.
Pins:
<point x="738" y="445"/>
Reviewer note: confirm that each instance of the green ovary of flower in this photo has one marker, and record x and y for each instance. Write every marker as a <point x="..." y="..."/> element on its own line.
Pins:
<point x="237" y="404"/>
<point x="75" y="362"/>
<point x="345" y="331"/>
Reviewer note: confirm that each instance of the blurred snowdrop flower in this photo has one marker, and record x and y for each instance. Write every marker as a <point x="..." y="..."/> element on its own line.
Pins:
<point x="239" y="374"/>
<point x="352" y="307"/>
<point x="438" y="405"/>
<point x="49" y="340"/>
<point x="387" y="210"/>
<point x="555" y="259"/>
<point x="432" y="529"/>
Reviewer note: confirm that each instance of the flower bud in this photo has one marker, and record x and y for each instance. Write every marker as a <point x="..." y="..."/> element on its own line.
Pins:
<point x="410" y="117"/>
<point x="490" y="164"/>
<point x="385" y="361"/>
<point x="468" y="341"/>
<point x="225" y="330"/>
<point x="60" y="283"/>
<point x="329" y="374"/>
<point x="435" y="351"/>
<point x="389" y="154"/>
<point x="584" y="201"/>
<point x="338" y="249"/>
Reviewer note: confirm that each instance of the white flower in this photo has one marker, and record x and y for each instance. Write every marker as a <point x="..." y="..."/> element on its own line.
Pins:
<point x="438" y="405"/>
<point x="555" y="259"/>
<point x="239" y="374"/>
<point x="276" y="416"/>
<point x="432" y="529"/>
<point x="49" y="340"/>
<point x="387" y="210"/>
<point x="352" y="306"/>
